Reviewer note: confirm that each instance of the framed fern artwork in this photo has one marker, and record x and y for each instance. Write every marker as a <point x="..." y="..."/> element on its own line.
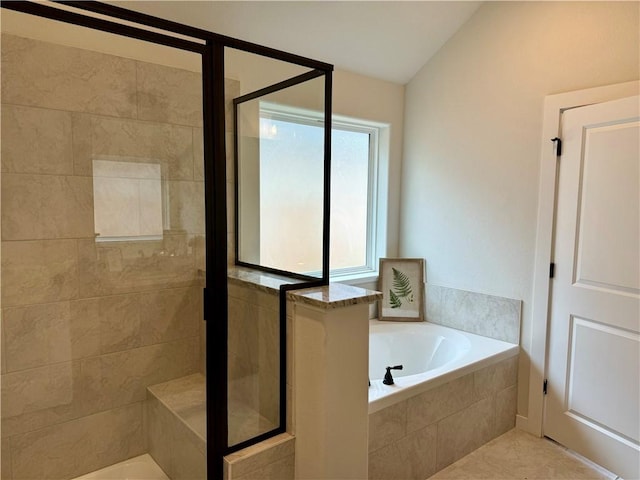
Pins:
<point x="401" y="282"/>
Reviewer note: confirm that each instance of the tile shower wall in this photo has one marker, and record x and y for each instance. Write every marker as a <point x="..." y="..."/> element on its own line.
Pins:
<point x="419" y="436"/>
<point x="86" y="325"/>
<point x="254" y="375"/>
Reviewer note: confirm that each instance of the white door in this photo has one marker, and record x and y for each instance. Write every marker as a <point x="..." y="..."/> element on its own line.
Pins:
<point x="593" y="369"/>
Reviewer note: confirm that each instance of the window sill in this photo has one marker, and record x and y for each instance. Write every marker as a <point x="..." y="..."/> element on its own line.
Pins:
<point x="356" y="279"/>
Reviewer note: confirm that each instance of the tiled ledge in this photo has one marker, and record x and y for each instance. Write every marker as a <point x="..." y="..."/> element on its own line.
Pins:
<point x="263" y="281"/>
<point x="271" y="458"/>
<point x="334" y="295"/>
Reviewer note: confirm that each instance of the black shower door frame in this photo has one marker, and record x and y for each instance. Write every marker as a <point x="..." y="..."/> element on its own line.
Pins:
<point x="107" y="18"/>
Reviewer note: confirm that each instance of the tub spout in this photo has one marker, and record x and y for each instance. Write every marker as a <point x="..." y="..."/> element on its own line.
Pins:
<point x="388" y="379"/>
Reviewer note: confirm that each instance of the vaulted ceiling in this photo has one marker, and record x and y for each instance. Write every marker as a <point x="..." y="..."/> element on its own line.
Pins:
<point x="390" y="40"/>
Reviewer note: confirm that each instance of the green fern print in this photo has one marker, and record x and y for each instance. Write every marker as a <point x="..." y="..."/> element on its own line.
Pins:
<point x="394" y="301"/>
<point x="401" y="289"/>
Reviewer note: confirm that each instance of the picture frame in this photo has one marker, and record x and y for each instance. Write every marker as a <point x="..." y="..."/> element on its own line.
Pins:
<point x="401" y="281"/>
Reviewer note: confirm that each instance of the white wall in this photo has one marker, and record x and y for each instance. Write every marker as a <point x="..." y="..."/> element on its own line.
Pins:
<point x="473" y="118"/>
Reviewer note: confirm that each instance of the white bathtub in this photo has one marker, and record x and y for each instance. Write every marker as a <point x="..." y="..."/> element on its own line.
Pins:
<point x="431" y="355"/>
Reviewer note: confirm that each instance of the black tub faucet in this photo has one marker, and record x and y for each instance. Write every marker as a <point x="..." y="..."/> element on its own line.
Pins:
<point x="388" y="379"/>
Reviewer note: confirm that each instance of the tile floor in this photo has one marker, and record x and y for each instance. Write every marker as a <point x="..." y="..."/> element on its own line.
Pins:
<point x="519" y="455"/>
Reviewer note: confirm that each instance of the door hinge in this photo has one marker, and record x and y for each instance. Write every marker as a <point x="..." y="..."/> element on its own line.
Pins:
<point x="558" y="143"/>
<point x="552" y="270"/>
<point x="544" y="387"/>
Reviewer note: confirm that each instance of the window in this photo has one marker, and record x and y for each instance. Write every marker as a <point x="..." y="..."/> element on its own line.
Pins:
<point x="355" y="241"/>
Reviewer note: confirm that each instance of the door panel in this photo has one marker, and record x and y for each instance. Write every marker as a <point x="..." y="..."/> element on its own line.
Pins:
<point x="608" y="182"/>
<point x="594" y="355"/>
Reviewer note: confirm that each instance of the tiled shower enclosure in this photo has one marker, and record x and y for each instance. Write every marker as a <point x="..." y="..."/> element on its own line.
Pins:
<point x="102" y="251"/>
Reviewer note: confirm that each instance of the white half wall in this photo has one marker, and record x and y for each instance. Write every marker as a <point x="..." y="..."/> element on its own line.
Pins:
<point x="473" y="123"/>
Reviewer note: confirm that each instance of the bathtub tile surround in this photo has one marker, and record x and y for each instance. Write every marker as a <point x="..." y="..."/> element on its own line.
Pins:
<point x="486" y="315"/>
<point x="419" y="436"/>
<point x="88" y="326"/>
<point x="465" y="431"/>
<point x="434" y="405"/>
<point x="411" y="457"/>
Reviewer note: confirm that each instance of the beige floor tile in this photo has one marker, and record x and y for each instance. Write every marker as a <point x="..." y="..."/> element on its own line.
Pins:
<point x="519" y="455"/>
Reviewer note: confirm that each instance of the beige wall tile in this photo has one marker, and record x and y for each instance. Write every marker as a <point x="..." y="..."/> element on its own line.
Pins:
<point x="387" y="425"/>
<point x="159" y="432"/>
<point x="119" y="322"/>
<point x="124" y="376"/>
<point x="46" y="207"/>
<point x="38" y="271"/>
<point x="243" y="334"/>
<point x="506" y="409"/>
<point x="5" y="460"/>
<point x="433" y="405"/>
<point x="198" y="154"/>
<point x="487" y="315"/>
<point x="106" y="138"/>
<point x="186" y="206"/>
<point x="283" y="469"/>
<point x="188" y="461"/>
<point x="261" y="455"/>
<point x="231" y="250"/>
<point x="170" y="314"/>
<point x="411" y="458"/>
<point x="82" y="143"/>
<point x="79" y="446"/>
<point x="48" y="333"/>
<point x="464" y="431"/>
<point x="3" y="360"/>
<point x="37" y="389"/>
<point x="197" y="244"/>
<point x="268" y="324"/>
<point x="54" y="76"/>
<point x="36" y="140"/>
<point x="76" y="391"/>
<point x="122" y="267"/>
<point x="169" y="95"/>
<point x="495" y="378"/>
<point x="176" y="448"/>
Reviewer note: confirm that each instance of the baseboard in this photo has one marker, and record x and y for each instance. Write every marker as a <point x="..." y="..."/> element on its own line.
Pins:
<point x="523" y="423"/>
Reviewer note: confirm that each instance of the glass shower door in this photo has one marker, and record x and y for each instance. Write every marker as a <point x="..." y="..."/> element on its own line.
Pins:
<point x="278" y="186"/>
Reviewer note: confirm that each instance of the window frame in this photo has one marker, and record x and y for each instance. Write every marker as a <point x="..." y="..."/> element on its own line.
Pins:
<point x="375" y="244"/>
